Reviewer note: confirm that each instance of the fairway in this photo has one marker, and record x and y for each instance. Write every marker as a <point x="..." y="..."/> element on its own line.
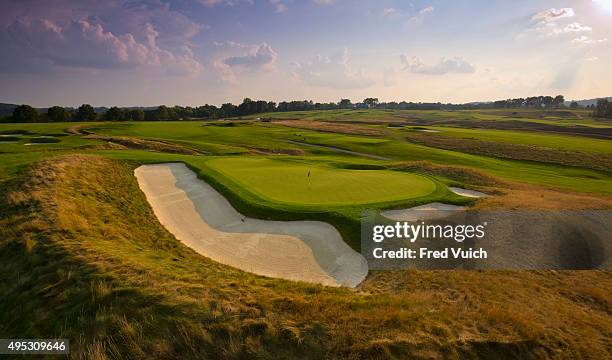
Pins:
<point x="288" y="182"/>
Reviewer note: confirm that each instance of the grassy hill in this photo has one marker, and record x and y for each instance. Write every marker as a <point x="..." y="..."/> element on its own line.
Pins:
<point x="83" y="257"/>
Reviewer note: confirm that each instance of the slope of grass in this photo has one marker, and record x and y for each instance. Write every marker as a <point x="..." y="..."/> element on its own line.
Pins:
<point x="82" y="257"/>
<point x="245" y="136"/>
<point x="553" y="141"/>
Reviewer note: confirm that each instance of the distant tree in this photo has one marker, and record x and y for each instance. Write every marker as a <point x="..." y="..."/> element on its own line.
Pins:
<point x="114" y="114"/>
<point x="25" y="113"/>
<point x="371" y="102"/>
<point x="574" y="105"/>
<point x="558" y="101"/>
<point x="345" y="104"/>
<point x="603" y="109"/>
<point x="136" y="115"/>
<point x="58" y="114"/>
<point x="162" y="112"/>
<point x="86" y="112"/>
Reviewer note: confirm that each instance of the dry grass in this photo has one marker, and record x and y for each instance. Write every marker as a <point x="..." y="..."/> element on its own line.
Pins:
<point x="531" y="197"/>
<point x="100" y="270"/>
<point x="142" y="144"/>
<point x="457" y="173"/>
<point x="515" y="151"/>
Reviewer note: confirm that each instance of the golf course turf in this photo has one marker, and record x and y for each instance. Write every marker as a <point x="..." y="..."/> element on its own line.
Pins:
<point x="289" y="181"/>
<point x="85" y="257"/>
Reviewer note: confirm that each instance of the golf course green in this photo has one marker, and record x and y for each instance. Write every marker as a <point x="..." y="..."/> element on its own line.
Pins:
<point x="289" y="181"/>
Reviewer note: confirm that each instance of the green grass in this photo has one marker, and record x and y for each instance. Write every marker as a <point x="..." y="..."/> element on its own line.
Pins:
<point x="553" y="141"/>
<point x="287" y="181"/>
<point x="242" y="138"/>
<point x="573" y="178"/>
<point x="83" y="257"/>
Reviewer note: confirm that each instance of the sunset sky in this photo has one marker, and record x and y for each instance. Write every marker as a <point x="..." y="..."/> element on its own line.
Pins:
<point x="191" y="52"/>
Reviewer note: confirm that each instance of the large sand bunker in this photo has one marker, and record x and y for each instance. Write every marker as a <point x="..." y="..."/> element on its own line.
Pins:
<point x="204" y="220"/>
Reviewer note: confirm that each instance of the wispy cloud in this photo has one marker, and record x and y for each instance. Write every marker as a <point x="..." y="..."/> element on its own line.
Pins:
<point x="553" y="14"/>
<point x="279" y="6"/>
<point x="444" y="66"/>
<point x="260" y="56"/>
<point x="553" y="22"/>
<point x="332" y="72"/>
<point x="422" y="13"/>
<point x="587" y="40"/>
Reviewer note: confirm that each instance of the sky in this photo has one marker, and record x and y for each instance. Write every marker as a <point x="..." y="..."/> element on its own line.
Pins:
<point x="193" y="52"/>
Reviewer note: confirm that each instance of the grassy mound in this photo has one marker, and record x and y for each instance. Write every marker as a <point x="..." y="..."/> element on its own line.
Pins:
<point x="83" y="257"/>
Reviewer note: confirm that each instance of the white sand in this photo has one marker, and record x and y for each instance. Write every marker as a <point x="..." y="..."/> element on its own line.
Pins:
<point x="468" y="193"/>
<point x="201" y="218"/>
<point x="429" y="211"/>
<point x="428" y="130"/>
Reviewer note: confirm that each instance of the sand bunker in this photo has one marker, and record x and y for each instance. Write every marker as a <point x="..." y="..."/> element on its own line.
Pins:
<point x="431" y="211"/>
<point x="200" y="217"/>
<point x="467" y="193"/>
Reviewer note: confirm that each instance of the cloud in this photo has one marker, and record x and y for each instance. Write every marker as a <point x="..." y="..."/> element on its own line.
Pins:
<point x="86" y="44"/>
<point x="411" y="16"/>
<point x="422" y="13"/>
<point x="553" y="14"/>
<point x="332" y="72"/>
<point x="211" y="3"/>
<point x="576" y="27"/>
<point x="235" y="58"/>
<point x="279" y="6"/>
<point x="324" y="2"/>
<point x="426" y="10"/>
<point x="549" y="23"/>
<point x="444" y="66"/>
<point x="587" y="40"/>
<point x="261" y="56"/>
<point x="390" y="12"/>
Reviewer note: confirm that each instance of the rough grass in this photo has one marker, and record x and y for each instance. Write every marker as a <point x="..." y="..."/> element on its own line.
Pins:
<point x="83" y="257"/>
<point x="589" y="160"/>
<point x="340" y="128"/>
<point x="464" y="175"/>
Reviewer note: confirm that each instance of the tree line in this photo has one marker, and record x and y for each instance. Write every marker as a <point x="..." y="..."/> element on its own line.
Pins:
<point x="86" y="112"/>
<point x="603" y="108"/>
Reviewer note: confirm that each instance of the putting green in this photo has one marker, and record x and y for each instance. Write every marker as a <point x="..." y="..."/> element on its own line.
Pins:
<point x="288" y="182"/>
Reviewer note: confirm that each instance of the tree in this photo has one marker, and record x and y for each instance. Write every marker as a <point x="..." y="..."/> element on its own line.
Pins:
<point x="558" y="100"/>
<point x="25" y="113"/>
<point x="136" y="115"/>
<point x="86" y="112"/>
<point x="603" y="108"/>
<point x="345" y="104"/>
<point x="58" y="114"/>
<point x="574" y="105"/>
<point x="162" y="113"/>
<point x="371" y="102"/>
<point x="114" y="114"/>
